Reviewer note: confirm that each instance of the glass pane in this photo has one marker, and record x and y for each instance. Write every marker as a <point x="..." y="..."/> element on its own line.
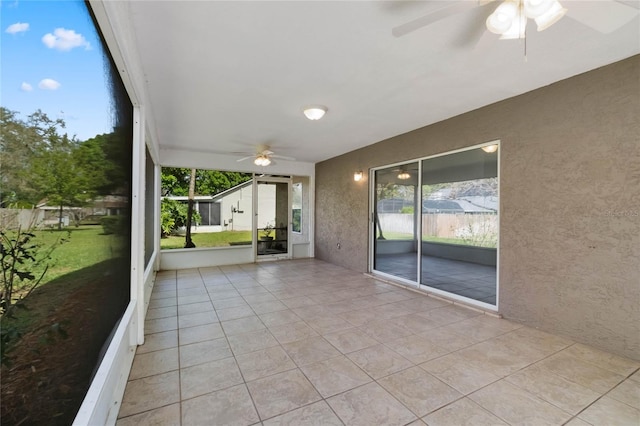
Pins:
<point x="395" y="213"/>
<point x="460" y="224"/>
<point x="296" y="207"/>
<point x="273" y="217"/>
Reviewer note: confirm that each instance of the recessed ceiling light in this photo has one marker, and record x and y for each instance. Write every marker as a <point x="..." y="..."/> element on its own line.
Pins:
<point x="314" y="112"/>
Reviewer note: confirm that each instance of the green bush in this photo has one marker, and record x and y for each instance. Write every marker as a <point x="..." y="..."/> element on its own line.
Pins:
<point x="114" y="225"/>
<point x="173" y="216"/>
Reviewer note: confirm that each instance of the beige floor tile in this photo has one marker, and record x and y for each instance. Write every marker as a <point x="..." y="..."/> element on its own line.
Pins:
<point x="228" y="314"/>
<point x="517" y="406"/>
<point x="198" y="353"/>
<point x="293" y="332"/>
<point x="582" y="372"/>
<point x="242" y="325"/>
<point x="329" y="325"/>
<point x="379" y="361"/>
<point x="384" y="330"/>
<point x="449" y="314"/>
<point x="577" y="422"/>
<point x="417" y="423"/>
<point x="282" y="392"/>
<point x="460" y="374"/>
<point x="295" y="302"/>
<point x="200" y="333"/>
<point x="197" y="298"/>
<point x="233" y="302"/>
<point x="152" y="363"/>
<point x="317" y="413"/>
<point x="218" y="294"/>
<point x="335" y="375"/>
<point x="627" y="392"/>
<point x="446" y="339"/>
<point x="263" y="363"/>
<point x="415" y="323"/>
<point x="150" y="393"/>
<point x="310" y="350"/>
<point x="260" y="298"/>
<point x="267" y="307"/>
<point x="167" y="311"/>
<point x="232" y="406"/>
<point x="616" y="364"/>
<point x="208" y="377"/>
<point x="158" y="341"/>
<point x="161" y="303"/>
<point x="200" y="318"/>
<point x="608" y="411"/>
<point x="163" y="416"/>
<point x="274" y="319"/>
<point x="463" y="412"/>
<point x="419" y="391"/>
<point x="161" y="324"/>
<point x="350" y="340"/>
<point x="359" y="317"/>
<point x="252" y="341"/>
<point x="192" y="291"/>
<point x="194" y="308"/>
<point x="635" y="376"/>
<point x="164" y="294"/>
<point x="496" y="359"/>
<point x="416" y="349"/>
<point x="370" y="405"/>
<point x="557" y="390"/>
<point x="474" y="330"/>
<point x="536" y="341"/>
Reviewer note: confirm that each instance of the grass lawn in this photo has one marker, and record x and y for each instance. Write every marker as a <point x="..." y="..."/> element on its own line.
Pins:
<point x="207" y="239"/>
<point x="86" y="246"/>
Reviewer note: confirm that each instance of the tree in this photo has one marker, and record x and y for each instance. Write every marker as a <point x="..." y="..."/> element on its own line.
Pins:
<point x="175" y="181"/>
<point x="188" y="243"/>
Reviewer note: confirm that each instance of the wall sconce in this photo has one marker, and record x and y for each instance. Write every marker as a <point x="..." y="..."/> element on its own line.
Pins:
<point x="357" y="176"/>
<point x="490" y="148"/>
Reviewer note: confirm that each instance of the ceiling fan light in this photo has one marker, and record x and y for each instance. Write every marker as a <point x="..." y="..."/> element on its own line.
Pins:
<point x="551" y="16"/>
<point x="501" y="20"/>
<point x="535" y="8"/>
<point x="315" y="112"/>
<point x="262" y="160"/>
<point x="517" y="29"/>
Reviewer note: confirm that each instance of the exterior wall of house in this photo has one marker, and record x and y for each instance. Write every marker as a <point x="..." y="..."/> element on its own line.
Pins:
<point x="569" y="193"/>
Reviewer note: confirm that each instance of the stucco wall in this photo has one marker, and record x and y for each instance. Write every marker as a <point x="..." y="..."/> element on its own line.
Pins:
<point x="570" y="202"/>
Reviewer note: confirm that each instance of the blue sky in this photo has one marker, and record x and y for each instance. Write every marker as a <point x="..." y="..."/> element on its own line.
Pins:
<point x="51" y="59"/>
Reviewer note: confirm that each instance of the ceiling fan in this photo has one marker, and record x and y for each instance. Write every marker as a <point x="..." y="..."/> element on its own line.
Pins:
<point x="509" y="18"/>
<point x="263" y="156"/>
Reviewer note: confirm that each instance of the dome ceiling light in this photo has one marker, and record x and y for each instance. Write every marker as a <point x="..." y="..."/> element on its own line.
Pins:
<point x="314" y="112"/>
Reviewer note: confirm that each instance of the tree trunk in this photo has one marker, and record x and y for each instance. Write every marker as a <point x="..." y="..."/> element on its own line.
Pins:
<point x="188" y="243"/>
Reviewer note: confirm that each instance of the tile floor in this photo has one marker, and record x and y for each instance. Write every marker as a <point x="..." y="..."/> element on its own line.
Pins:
<point x="466" y="279"/>
<point x="309" y="343"/>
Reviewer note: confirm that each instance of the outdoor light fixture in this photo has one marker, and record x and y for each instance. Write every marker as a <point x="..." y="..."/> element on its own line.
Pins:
<point x="404" y="175"/>
<point x="315" y="112"/>
<point x="357" y="176"/>
<point x="510" y="18"/>
<point x="262" y="160"/>
<point x="490" y="148"/>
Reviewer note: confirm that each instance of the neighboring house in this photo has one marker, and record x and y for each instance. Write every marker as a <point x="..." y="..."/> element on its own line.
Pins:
<point x="229" y="210"/>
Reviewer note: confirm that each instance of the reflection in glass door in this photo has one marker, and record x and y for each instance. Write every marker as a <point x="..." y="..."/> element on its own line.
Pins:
<point x="460" y="223"/>
<point x="272" y="219"/>
<point x="394" y="220"/>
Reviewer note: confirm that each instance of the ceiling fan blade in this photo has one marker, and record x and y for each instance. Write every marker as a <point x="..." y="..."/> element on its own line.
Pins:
<point x="433" y="17"/>
<point x="282" y="157"/>
<point x="245" y="158"/>
<point x="602" y="16"/>
<point x="266" y="152"/>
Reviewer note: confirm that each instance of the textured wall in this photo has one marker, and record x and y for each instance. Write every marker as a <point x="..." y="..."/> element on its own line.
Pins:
<point x="570" y="202"/>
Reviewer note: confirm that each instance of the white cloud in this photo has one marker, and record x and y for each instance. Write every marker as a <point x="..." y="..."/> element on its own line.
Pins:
<point x="18" y="27"/>
<point x="26" y="87"/>
<point x="65" y="40"/>
<point x="48" y="84"/>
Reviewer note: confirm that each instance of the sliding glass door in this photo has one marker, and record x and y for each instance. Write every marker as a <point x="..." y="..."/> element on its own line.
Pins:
<point x="435" y="223"/>
<point x="395" y="221"/>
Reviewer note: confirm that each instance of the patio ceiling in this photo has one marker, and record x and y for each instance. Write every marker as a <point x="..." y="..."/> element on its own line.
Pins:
<point x="223" y="77"/>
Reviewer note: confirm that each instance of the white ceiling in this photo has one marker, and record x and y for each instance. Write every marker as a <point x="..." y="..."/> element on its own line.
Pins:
<point x="223" y="77"/>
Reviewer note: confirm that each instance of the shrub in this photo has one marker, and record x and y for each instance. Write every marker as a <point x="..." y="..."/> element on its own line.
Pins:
<point x="173" y="216"/>
<point x="114" y="225"/>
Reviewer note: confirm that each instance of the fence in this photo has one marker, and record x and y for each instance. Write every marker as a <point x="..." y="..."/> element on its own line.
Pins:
<point x="473" y="229"/>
